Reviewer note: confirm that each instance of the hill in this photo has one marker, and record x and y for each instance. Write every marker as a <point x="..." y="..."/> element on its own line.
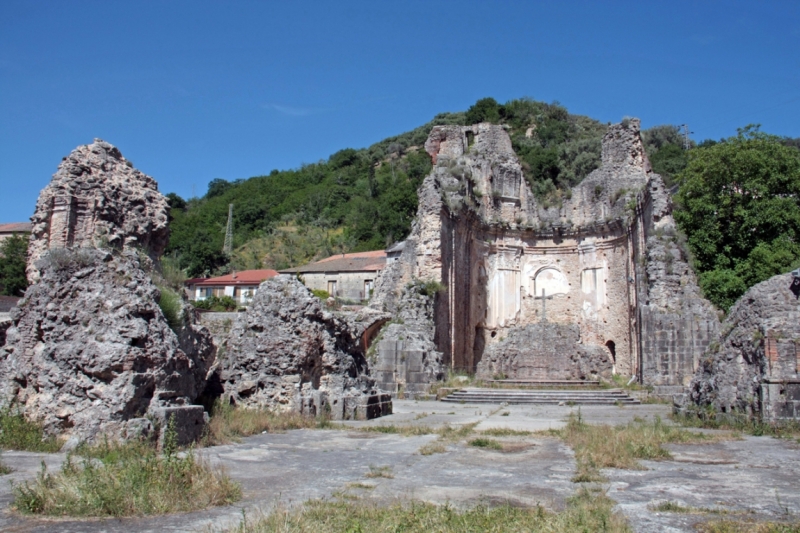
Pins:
<point x="365" y="199"/>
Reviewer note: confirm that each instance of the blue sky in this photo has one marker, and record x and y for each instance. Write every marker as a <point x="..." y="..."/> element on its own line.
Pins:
<point x="196" y="90"/>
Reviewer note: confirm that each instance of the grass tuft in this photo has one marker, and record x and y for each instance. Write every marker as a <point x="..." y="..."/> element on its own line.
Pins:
<point x="481" y="442"/>
<point x="19" y="433"/>
<point x="380" y="471"/>
<point x="432" y="448"/>
<point x="587" y="511"/>
<point x="125" y="480"/>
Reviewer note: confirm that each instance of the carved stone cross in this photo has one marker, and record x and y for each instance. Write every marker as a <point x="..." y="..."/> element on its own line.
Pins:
<point x="544" y="299"/>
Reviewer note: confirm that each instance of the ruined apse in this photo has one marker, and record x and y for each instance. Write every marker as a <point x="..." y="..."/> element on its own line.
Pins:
<point x="592" y="285"/>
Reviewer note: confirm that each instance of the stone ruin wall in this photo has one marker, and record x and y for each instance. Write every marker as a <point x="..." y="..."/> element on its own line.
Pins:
<point x="98" y="198"/>
<point x="599" y="257"/>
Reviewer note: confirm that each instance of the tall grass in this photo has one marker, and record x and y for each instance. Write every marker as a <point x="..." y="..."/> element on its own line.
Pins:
<point x="603" y="446"/>
<point x="19" y="433"/>
<point x="702" y="418"/>
<point x="229" y="423"/>
<point x="585" y="512"/>
<point x="126" y="480"/>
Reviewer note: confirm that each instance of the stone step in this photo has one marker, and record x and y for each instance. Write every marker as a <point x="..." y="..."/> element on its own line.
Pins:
<point x="546" y="383"/>
<point x="529" y="396"/>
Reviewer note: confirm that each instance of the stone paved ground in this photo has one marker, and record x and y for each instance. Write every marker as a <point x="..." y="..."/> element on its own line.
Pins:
<point x="757" y="474"/>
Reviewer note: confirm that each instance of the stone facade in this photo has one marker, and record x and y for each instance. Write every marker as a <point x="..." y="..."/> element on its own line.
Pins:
<point x="285" y="352"/>
<point x="755" y="367"/>
<point x="604" y="266"/>
<point x="98" y="198"/>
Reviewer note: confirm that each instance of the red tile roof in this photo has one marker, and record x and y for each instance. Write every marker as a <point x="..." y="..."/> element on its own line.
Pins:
<point x="245" y="277"/>
<point x="16" y="227"/>
<point x="356" y="262"/>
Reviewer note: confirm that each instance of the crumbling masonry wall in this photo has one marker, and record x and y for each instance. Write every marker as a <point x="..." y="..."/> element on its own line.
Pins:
<point x="606" y="260"/>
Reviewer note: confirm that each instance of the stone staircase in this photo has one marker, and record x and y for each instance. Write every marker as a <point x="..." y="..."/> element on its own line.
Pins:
<point x="542" y="396"/>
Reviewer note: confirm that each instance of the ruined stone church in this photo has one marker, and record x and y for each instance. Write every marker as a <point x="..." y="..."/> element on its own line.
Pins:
<point x="595" y="283"/>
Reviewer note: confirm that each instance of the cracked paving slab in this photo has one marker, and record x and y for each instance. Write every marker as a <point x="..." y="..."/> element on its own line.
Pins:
<point x="295" y="466"/>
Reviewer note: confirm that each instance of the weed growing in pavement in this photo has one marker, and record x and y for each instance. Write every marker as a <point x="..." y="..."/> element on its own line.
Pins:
<point x="130" y="479"/>
<point x="586" y="511"/>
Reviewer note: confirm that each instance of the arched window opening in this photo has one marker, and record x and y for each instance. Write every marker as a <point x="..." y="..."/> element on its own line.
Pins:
<point x="613" y="349"/>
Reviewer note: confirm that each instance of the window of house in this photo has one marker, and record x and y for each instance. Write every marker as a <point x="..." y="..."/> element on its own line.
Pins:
<point x="332" y="287"/>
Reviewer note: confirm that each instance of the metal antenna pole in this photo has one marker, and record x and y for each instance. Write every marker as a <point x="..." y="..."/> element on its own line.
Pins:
<point x="227" y="248"/>
<point x="686" y="144"/>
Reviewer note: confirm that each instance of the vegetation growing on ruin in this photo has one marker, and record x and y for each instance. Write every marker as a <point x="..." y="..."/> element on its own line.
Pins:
<point x="13" y="257"/>
<point x="739" y="205"/>
<point x="748" y="526"/>
<point x="126" y="480"/>
<point x="586" y="511"/>
<point x="19" y="433"/>
<point x="229" y="423"/>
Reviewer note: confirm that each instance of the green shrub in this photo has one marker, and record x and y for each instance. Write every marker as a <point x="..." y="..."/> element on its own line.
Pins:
<point x="217" y="304"/>
<point x="321" y="294"/>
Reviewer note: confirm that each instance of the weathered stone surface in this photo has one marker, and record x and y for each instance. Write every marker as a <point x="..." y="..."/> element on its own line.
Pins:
<point x="405" y="360"/>
<point x="285" y="352"/>
<point x="545" y="351"/>
<point x="606" y="255"/>
<point x="97" y="198"/>
<point x="753" y="369"/>
<point x="90" y="352"/>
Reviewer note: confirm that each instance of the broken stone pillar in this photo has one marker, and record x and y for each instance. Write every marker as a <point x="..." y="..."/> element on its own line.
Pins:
<point x="287" y="353"/>
<point x="98" y="199"/>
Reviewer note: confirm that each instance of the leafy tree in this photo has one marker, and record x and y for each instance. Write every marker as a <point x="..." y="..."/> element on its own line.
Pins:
<point x="217" y="187"/>
<point x="665" y="148"/>
<point x="175" y="201"/>
<point x="13" y="257"/>
<point x="484" y="110"/>
<point x="739" y="204"/>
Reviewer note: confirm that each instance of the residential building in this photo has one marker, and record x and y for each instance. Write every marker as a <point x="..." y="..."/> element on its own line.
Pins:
<point x="241" y="286"/>
<point x="12" y="228"/>
<point x="348" y="276"/>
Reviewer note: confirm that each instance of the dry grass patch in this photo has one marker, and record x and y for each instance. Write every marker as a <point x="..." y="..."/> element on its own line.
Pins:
<point x="126" y="480"/>
<point x="406" y="431"/>
<point x="603" y="446"/>
<point x="708" y="419"/>
<point x="229" y="423"/>
<point x="675" y="507"/>
<point x="4" y="469"/>
<point x="432" y="448"/>
<point x="380" y="472"/>
<point x="504" y="432"/>
<point x="585" y="512"/>
<point x="747" y="526"/>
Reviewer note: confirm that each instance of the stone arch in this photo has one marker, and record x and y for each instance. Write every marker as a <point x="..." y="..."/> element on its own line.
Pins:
<point x="551" y="279"/>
